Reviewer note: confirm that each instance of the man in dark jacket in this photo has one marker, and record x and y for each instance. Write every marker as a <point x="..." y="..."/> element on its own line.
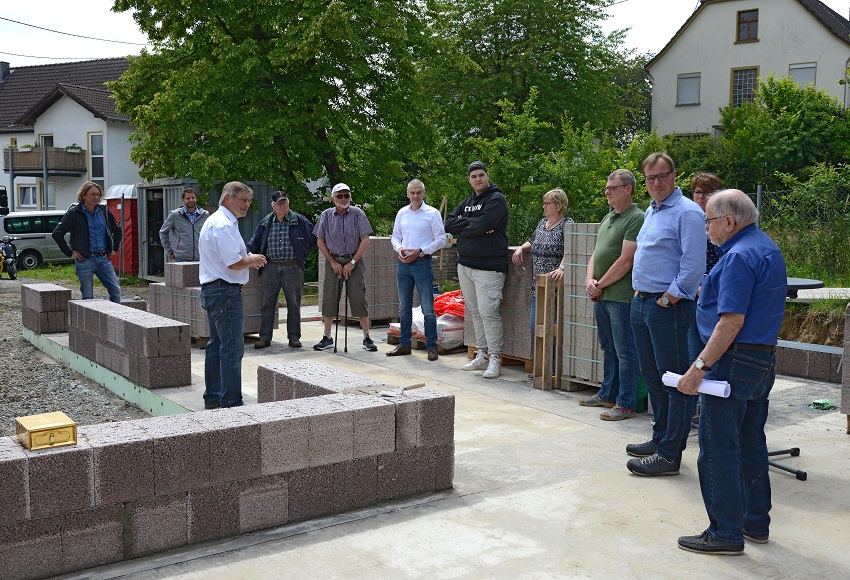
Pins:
<point x="480" y="224"/>
<point x="95" y="235"/>
<point x="286" y="239"/>
<point x="182" y="229"/>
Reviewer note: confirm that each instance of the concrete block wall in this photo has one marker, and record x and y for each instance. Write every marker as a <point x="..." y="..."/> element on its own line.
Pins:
<point x="582" y="355"/>
<point x="180" y="298"/>
<point x="381" y="290"/>
<point x="140" y="487"/>
<point x="44" y="308"/>
<point x="150" y="350"/>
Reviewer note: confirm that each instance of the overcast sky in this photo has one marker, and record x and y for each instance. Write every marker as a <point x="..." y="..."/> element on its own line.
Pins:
<point x="653" y="23"/>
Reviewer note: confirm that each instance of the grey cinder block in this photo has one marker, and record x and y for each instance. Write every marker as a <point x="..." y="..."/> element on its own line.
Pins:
<point x="123" y="461"/>
<point x="213" y="512"/>
<point x="14" y="475"/>
<point x="92" y="538"/>
<point x="31" y="549"/>
<point x="403" y="473"/>
<point x="234" y="439"/>
<point x="181" y="453"/>
<point x="263" y="503"/>
<point x="355" y="483"/>
<point x="311" y="492"/>
<point x="69" y="469"/>
<point x="158" y="523"/>
<point x="444" y="467"/>
<point x="283" y="437"/>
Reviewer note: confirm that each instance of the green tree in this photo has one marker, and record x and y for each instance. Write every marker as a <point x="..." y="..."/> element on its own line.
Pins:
<point x="786" y="129"/>
<point x="281" y="92"/>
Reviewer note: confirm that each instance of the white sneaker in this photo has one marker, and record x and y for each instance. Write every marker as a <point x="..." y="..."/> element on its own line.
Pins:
<point x="494" y="369"/>
<point x="479" y="362"/>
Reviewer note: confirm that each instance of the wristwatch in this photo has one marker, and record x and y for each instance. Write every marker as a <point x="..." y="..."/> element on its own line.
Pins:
<point x="701" y="366"/>
<point x="353" y="261"/>
<point x="664" y="300"/>
<point x="561" y="267"/>
<point x="421" y="253"/>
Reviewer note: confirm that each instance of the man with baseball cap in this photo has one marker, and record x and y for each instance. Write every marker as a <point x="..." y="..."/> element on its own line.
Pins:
<point x="286" y="239"/>
<point x="480" y="224"/>
<point x="343" y="235"/>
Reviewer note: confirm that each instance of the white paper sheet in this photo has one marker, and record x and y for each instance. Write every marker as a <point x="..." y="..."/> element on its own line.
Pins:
<point x="715" y="388"/>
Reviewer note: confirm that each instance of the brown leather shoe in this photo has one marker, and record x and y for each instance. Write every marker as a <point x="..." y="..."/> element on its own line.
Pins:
<point x="294" y="343"/>
<point x="432" y="354"/>
<point x="400" y="350"/>
<point x="262" y="344"/>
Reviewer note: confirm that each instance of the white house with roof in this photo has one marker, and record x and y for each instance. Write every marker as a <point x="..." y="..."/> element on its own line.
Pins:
<point x="718" y="55"/>
<point x="68" y="112"/>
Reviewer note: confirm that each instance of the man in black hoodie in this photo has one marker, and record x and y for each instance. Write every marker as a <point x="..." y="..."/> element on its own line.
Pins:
<point x="480" y="224"/>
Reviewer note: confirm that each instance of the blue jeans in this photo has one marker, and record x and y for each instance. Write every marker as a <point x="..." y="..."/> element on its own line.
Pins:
<point x="661" y="338"/>
<point x="102" y="266"/>
<point x="620" y="367"/>
<point x="732" y="460"/>
<point x="223" y="355"/>
<point x="420" y="274"/>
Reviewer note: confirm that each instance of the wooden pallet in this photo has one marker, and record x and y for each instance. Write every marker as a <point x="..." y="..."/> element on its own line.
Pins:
<point x="507" y="360"/>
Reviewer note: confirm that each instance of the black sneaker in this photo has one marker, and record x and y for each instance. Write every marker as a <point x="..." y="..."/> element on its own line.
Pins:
<point x="326" y="343"/>
<point x="644" y="449"/>
<point x="369" y="345"/>
<point x="705" y="544"/>
<point x="653" y="465"/>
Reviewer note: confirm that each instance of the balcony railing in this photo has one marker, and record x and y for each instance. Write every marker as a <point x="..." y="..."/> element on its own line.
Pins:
<point x="58" y="159"/>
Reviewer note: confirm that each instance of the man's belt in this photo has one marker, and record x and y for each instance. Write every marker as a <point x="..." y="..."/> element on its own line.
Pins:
<point x="343" y="257"/>
<point x="104" y="253"/>
<point x="287" y="263"/>
<point x="221" y="282"/>
<point x="749" y="346"/>
<point x="652" y="295"/>
<point x="424" y="257"/>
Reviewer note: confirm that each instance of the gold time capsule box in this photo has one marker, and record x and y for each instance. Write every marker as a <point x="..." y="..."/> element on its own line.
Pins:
<point x="46" y="430"/>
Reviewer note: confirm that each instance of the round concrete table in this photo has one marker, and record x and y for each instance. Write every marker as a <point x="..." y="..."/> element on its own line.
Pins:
<point x="796" y="284"/>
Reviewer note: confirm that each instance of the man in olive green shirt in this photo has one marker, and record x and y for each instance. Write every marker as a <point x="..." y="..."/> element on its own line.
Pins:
<point x="609" y="287"/>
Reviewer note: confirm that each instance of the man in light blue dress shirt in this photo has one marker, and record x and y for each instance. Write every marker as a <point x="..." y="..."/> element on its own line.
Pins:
<point x="668" y="268"/>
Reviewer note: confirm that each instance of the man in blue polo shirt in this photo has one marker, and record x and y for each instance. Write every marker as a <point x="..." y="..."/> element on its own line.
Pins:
<point x="740" y="310"/>
<point x="668" y="268"/>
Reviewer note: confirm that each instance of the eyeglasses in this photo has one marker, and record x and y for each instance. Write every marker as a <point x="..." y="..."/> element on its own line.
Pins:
<point x="342" y="195"/>
<point x="709" y="220"/>
<point x="660" y="177"/>
<point x="697" y="192"/>
<point x="243" y="199"/>
<point x="613" y="187"/>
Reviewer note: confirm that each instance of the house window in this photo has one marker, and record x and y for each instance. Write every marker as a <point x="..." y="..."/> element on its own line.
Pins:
<point x="45" y="140"/>
<point x="96" y="170"/>
<point x="687" y="89"/>
<point x="744" y="81"/>
<point x="803" y="73"/>
<point x="748" y="26"/>
<point x="26" y="196"/>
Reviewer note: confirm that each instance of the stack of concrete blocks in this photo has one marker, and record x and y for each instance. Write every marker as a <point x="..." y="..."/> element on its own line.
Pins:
<point x="582" y="355"/>
<point x="150" y="350"/>
<point x="137" y="488"/>
<point x="515" y="310"/>
<point x="44" y="308"/>
<point x="845" y="369"/>
<point x="381" y="290"/>
<point x="180" y="298"/>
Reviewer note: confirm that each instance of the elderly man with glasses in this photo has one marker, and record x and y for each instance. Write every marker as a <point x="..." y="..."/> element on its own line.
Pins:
<point x="739" y="315"/>
<point x="343" y="235"/>
<point x="223" y="271"/>
<point x="668" y="268"/>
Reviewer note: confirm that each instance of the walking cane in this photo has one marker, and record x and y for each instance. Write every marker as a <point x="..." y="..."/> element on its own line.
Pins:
<point x="346" y="314"/>
<point x="338" y="296"/>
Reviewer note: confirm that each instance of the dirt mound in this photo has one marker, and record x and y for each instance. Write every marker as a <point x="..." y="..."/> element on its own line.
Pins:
<point x="817" y="327"/>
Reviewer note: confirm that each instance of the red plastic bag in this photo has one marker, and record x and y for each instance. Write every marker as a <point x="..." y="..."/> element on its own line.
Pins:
<point x="449" y="303"/>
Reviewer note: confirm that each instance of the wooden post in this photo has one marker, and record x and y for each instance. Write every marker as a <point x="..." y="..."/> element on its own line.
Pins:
<point x="548" y="332"/>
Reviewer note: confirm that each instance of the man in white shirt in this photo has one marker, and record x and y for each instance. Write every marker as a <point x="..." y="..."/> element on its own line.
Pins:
<point x="417" y="233"/>
<point x="223" y="270"/>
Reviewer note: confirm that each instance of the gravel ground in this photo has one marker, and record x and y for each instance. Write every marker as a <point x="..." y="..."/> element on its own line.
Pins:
<point x="32" y="382"/>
